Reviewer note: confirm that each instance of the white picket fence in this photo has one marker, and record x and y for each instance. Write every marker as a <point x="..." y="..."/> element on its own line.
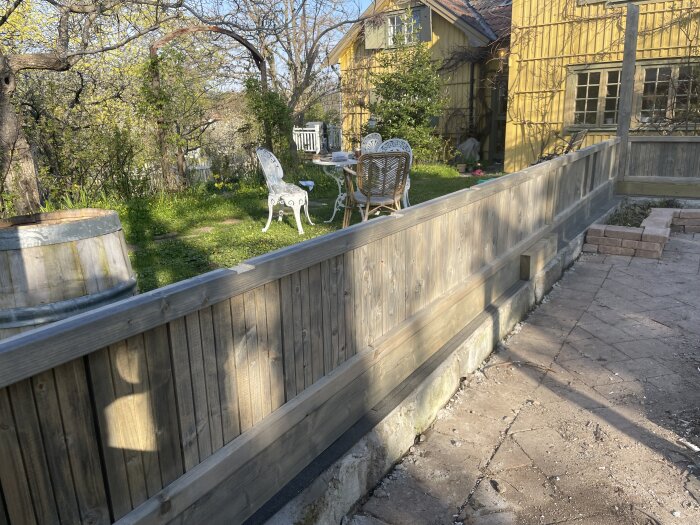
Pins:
<point x="308" y="139"/>
<point x="335" y="137"/>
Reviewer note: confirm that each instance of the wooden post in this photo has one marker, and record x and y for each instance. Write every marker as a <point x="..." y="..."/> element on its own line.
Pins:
<point x="629" y="63"/>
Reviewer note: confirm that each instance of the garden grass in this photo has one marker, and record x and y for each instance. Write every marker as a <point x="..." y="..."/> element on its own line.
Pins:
<point x="177" y="236"/>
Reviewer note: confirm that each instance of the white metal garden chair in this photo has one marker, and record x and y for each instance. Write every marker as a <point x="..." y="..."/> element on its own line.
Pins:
<point x="400" y="145"/>
<point x="380" y="180"/>
<point x="280" y="192"/>
<point x="370" y="143"/>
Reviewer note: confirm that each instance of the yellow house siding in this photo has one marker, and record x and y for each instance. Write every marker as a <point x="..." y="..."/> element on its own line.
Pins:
<point x="356" y="62"/>
<point x="550" y="36"/>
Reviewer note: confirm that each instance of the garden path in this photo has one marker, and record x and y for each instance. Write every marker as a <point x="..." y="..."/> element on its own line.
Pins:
<point x="587" y="414"/>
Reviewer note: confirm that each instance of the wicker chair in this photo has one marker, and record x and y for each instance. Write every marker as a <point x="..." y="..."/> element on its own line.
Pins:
<point x="400" y="145"/>
<point x="370" y="143"/>
<point x="381" y="178"/>
<point x="280" y="192"/>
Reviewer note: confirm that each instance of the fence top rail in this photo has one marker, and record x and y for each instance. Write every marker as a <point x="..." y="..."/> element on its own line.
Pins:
<point x="27" y="354"/>
<point x="665" y="138"/>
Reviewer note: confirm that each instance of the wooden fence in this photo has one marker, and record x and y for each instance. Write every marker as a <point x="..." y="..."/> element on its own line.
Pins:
<point x="197" y="402"/>
<point x="308" y="140"/>
<point x="666" y="166"/>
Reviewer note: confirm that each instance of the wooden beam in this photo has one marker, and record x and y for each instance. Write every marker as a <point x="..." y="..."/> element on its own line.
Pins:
<point x="629" y="64"/>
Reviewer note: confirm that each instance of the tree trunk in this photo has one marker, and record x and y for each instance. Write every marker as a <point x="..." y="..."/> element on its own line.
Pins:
<point x="181" y="166"/>
<point x="19" y="189"/>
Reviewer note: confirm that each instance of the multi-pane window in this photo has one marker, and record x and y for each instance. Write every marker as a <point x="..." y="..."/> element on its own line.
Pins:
<point x="671" y="94"/>
<point x="666" y="94"/>
<point x="597" y="98"/>
<point x="401" y="26"/>
<point x="612" y="97"/>
<point x="655" y="96"/>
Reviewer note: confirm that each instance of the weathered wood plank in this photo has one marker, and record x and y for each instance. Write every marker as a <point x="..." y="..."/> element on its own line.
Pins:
<point x="263" y="350"/>
<point x="160" y="377"/>
<point x="127" y="423"/>
<point x="337" y="312"/>
<point x="81" y="440"/>
<point x="177" y="330"/>
<point x="32" y="446"/>
<point x="328" y="297"/>
<point x="13" y="475"/>
<point x="287" y="312"/>
<point x="315" y="294"/>
<point x="306" y="326"/>
<point x="211" y="374"/>
<point x="199" y="387"/>
<point x="298" y="332"/>
<point x="274" y="341"/>
<point x="226" y="367"/>
<point x="243" y="378"/>
<point x="254" y="356"/>
<point x="113" y="457"/>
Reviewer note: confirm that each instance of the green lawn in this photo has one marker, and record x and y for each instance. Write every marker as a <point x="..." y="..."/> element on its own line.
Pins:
<point x="174" y="237"/>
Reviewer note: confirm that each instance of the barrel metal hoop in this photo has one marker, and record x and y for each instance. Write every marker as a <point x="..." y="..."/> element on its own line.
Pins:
<point x="41" y="235"/>
<point x="49" y="313"/>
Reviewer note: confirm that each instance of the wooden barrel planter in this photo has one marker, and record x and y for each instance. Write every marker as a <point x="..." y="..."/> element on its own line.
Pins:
<point x="55" y="265"/>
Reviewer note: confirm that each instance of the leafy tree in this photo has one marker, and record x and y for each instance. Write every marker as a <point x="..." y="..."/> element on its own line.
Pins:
<point x="269" y="111"/>
<point x="409" y="97"/>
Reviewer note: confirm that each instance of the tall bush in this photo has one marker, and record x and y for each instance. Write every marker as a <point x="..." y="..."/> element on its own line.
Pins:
<point x="409" y="97"/>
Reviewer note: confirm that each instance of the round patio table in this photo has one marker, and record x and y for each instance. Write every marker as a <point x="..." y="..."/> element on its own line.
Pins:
<point x="334" y="168"/>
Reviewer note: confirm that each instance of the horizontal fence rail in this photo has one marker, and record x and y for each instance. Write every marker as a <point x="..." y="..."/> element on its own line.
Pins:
<point x="662" y="166"/>
<point x="202" y="399"/>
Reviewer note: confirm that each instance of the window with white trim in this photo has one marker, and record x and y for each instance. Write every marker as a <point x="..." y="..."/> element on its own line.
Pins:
<point x="400" y="25"/>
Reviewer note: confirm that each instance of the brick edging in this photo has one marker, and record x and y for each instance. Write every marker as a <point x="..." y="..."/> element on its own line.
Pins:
<point x="647" y="241"/>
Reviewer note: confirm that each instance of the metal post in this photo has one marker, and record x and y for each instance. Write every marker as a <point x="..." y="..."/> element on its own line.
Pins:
<point x="629" y="63"/>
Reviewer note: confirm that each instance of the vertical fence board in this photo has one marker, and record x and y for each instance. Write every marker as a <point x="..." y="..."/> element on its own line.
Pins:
<point x="199" y="386"/>
<point x="315" y="293"/>
<point x="160" y="376"/>
<point x="306" y="326"/>
<point x="243" y="378"/>
<point x="131" y="404"/>
<point x="287" y="311"/>
<point x="113" y="457"/>
<point x="206" y="326"/>
<point x="31" y="444"/>
<point x="274" y="341"/>
<point x="327" y="298"/>
<point x="184" y="396"/>
<point x="76" y="413"/>
<point x="263" y="349"/>
<point x="226" y="367"/>
<point x="13" y="476"/>
<point x="298" y="332"/>
<point x="254" y="361"/>
<point x="56" y="452"/>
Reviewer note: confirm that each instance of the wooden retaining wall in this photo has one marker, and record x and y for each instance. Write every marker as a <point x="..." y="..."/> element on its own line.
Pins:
<point x="197" y="402"/>
<point x="663" y="166"/>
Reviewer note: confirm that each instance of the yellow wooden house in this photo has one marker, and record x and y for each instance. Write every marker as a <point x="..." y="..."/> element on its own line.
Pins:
<point x="466" y="36"/>
<point x="565" y="64"/>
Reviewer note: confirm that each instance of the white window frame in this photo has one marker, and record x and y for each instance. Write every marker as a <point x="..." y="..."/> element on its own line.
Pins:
<point x="395" y="26"/>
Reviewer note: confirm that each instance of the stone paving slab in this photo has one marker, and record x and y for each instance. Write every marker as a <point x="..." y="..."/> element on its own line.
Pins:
<point x="585" y="415"/>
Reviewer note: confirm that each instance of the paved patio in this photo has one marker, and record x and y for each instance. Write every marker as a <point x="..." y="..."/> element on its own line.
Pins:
<point x="587" y="414"/>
